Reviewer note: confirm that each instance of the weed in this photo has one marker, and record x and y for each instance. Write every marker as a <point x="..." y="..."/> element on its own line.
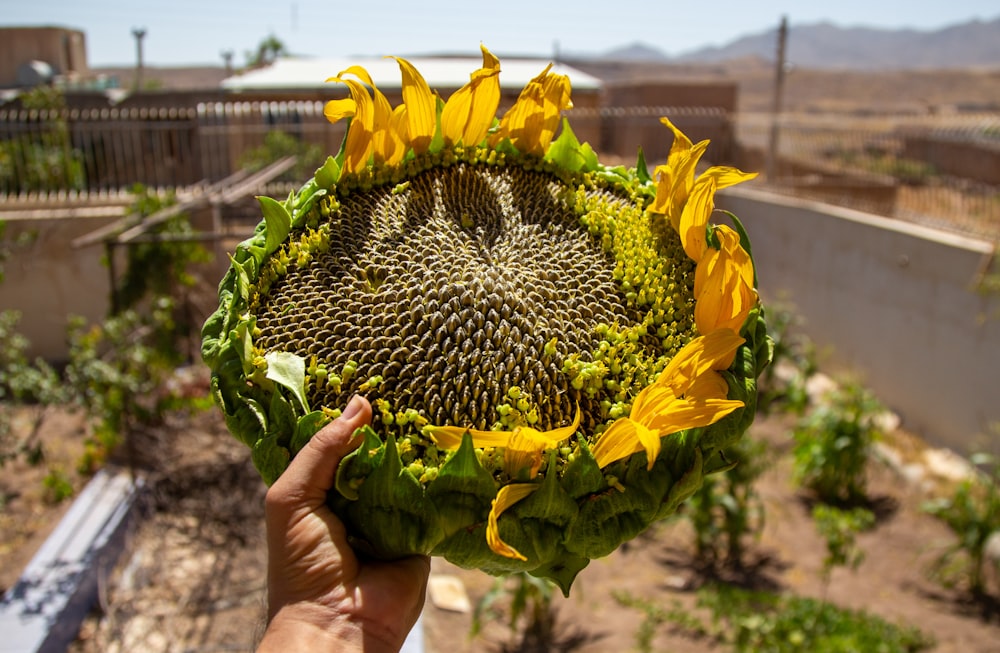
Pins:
<point x="972" y="513"/>
<point x="57" y="486"/>
<point x="839" y="529"/>
<point x="726" y="509"/>
<point x="765" y="622"/>
<point x="783" y="382"/>
<point x="529" y="602"/>
<point x="833" y="444"/>
<point x="747" y="621"/>
<point x="655" y="615"/>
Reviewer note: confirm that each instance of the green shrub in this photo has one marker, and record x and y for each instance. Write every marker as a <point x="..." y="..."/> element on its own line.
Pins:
<point x="783" y="383"/>
<point x="727" y="509"/>
<point x="833" y="444"/>
<point x="839" y="529"/>
<point x="764" y="622"/>
<point x="972" y="513"/>
<point x="529" y="609"/>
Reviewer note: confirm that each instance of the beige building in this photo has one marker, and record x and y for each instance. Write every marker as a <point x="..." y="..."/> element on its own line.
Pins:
<point x="28" y="54"/>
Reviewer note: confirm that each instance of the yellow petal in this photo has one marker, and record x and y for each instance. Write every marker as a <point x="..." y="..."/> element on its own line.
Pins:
<point x="726" y="176"/>
<point x="688" y="413"/>
<point x="624" y="438"/>
<point x="723" y="287"/>
<point x="449" y="437"/>
<point x="506" y="497"/>
<point x="526" y="445"/>
<point x="335" y="110"/>
<point x="681" y="144"/>
<point x="531" y="123"/>
<point x="651" y="400"/>
<point x="471" y="110"/>
<point x="386" y="142"/>
<point x="702" y="354"/>
<point x="694" y="217"/>
<point x="421" y="107"/>
<point x="676" y="178"/>
<point x="358" y="144"/>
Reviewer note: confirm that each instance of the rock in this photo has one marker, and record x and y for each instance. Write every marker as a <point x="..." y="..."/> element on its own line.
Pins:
<point x="448" y="593"/>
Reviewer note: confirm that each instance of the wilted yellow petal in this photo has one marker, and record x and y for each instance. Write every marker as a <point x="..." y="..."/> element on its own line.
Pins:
<point x="506" y="497"/>
<point x="526" y="445"/>
<point x="471" y="110"/>
<point x="421" y="107"/>
<point x="450" y="437"/>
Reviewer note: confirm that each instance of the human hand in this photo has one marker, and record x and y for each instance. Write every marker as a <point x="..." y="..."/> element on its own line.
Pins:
<point x="320" y="595"/>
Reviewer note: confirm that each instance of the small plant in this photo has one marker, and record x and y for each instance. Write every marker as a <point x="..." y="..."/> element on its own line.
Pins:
<point x="783" y="382"/>
<point x="279" y="144"/>
<point x="765" y="622"/>
<point x="46" y="159"/>
<point x="113" y="371"/>
<point x="32" y="384"/>
<point x="529" y="610"/>
<point x="833" y="444"/>
<point x="57" y="486"/>
<point x="726" y="509"/>
<point x="746" y="621"/>
<point x="655" y="615"/>
<point x="972" y="513"/>
<point x="839" y="529"/>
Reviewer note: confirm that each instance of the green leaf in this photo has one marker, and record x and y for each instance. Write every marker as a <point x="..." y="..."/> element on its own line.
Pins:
<point x="307" y="426"/>
<point x="641" y="169"/>
<point x="328" y="174"/>
<point x="568" y="153"/>
<point x="269" y="458"/>
<point x="289" y="371"/>
<point x="278" y="222"/>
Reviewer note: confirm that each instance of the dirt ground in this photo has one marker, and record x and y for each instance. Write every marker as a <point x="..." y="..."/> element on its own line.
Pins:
<point x="192" y="575"/>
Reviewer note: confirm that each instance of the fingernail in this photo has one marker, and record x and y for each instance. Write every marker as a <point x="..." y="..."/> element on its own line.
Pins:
<point x="352" y="407"/>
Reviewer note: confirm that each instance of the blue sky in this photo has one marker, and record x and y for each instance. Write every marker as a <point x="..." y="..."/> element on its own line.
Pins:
<point x="198" y="31"/>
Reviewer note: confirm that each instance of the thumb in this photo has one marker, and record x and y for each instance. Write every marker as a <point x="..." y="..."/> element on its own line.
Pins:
<point x="310" y="474"/>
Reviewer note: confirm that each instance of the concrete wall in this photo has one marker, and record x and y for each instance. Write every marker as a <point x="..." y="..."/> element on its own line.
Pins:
<point x="48" y="280"/>
<point x="891" y="302"/>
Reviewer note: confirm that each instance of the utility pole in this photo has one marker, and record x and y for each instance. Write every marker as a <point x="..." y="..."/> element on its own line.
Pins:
<point x="227" y="57"/>
<point x="139" y="34"/>
<point x="779" y="88"/>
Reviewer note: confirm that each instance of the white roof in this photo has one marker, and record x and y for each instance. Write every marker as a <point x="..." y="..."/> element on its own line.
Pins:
<point x="440" y="72"/>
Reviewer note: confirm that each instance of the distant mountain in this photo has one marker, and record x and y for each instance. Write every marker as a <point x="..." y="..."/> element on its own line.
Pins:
<point x="825" y="45"/>
<point x="635" y="52"/>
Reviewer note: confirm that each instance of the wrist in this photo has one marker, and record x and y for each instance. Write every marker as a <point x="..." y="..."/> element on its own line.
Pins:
<point x="310" y="627"/>
<point x="302" y="627"/>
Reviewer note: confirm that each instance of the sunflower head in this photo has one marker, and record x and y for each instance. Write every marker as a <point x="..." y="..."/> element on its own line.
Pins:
<point x="557" y="351"/>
